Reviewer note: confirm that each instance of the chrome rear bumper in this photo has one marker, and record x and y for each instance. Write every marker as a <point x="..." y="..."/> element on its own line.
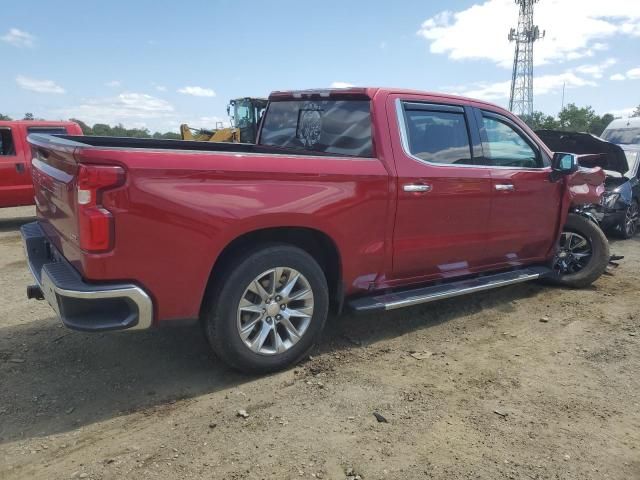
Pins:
<point x="79" y="304"/>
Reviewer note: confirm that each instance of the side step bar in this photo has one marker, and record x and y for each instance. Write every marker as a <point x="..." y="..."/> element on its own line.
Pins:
<point x="407" y="298"/>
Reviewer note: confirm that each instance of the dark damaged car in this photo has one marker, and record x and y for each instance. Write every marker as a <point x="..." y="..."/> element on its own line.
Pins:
<point x="618" y="211"/>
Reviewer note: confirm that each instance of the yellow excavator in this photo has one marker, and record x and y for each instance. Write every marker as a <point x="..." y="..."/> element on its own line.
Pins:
<point x="244" y="113"/>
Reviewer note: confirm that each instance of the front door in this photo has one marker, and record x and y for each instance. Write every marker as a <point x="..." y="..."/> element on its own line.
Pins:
<point x="525" y="210"/>
<point x="444" y="196"/>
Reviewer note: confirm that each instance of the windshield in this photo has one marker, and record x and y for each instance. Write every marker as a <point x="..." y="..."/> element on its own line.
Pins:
<point x="622" y="136"/>
<point x="243" y="114"/>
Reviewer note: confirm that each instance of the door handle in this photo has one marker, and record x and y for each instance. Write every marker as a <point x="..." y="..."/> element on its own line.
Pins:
<point x="416" y="187"/>
<point x="20" y="167"/>
<point x="505" y="187"/>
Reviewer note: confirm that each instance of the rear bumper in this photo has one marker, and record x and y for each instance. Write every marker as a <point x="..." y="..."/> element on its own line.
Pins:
<point x="81" y="305"/>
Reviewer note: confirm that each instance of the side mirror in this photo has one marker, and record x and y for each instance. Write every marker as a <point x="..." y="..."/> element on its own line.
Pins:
<point x="564" y="163"/>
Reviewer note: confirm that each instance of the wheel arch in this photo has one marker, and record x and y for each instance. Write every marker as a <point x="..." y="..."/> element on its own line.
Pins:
<point x="315" y="242"/>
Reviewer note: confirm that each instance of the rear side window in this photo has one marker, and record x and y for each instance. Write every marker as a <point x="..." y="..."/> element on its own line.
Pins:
<point x="438" y="137"/>
<point x="48" y="130"/>
<point x="341" y="127"/>
<point x="506" y="147"/>
<point x="7" y="147"/>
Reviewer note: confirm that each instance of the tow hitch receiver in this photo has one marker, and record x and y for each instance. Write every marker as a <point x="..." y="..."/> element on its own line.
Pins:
<point x="34" y="291"/>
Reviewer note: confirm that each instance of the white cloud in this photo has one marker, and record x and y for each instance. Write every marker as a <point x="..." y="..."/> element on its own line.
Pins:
<point x="39" y="86"/>
<point x="596" y="70"/>
<point x="542" y="85"/>
<point x="19" y="38"/>
<point x="622" y="112"/>
<point x="341" y="85"/>
<point x="113" y="84"/>
<point x="130" y="109"/>
<point x="575" y="29"/>
<point x="197" y="91"/>
<point x="633" y="74"/>
<point x="161" y="88"/>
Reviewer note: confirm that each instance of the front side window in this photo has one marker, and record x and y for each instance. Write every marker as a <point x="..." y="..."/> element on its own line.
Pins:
<point x="438" y="137"/>
<point x="341" y="127"/>
<point x="7" y="147"/>
<point x="506" y="147"/>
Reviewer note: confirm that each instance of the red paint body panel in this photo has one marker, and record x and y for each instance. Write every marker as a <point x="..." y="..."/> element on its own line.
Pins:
<point x="179" y="209"/>
<point x="16" y="187"/>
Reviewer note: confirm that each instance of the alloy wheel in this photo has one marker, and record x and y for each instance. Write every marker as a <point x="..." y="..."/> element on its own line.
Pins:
<point x="275" y="311"/>
<point x="631" y="220"/>
<point x="573" y="254"/>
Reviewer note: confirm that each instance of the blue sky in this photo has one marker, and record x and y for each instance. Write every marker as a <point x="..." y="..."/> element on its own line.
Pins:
<point x="158" y="64"/>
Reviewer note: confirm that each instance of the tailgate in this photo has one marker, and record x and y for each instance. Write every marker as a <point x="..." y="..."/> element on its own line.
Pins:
<point x="54" y="170"/>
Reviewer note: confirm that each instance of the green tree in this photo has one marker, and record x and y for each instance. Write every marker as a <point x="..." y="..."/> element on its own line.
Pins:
<point x="598" y="124"/>
<point x="539" y="120"/>
<point x="28" y="116"/>
<point x="86" y="129"/>
<point x="5" y="117"/>
<point x="636" y="112"/>
<point x="119" y="130"/>
<point x="576" y="119"/>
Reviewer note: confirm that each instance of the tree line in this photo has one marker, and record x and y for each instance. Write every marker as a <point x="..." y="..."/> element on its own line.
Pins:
<point x="104" y="130"/>
<point x="571" y="118"/>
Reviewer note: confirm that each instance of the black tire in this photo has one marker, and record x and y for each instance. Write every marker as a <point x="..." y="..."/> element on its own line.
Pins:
<point x="598" y="261"/>
<point x="221" y="310"/>
<point x="625" y="230"/>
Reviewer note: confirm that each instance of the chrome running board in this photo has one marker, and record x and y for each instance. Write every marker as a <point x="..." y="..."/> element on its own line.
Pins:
<point x="408" y="298"/>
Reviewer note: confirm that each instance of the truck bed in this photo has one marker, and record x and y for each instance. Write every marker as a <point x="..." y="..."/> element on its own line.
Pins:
<point x="162" y="144"/>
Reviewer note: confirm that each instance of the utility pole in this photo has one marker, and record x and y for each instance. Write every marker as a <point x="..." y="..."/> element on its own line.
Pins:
<point x="521" y="98"/>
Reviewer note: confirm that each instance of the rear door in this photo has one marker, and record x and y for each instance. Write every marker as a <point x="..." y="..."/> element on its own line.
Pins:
<point x="15" y="181"/>
<point x="525" y="207"/>
<point x="444" y="195"/>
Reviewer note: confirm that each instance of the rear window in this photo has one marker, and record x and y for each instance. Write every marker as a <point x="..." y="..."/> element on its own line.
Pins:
<point x="48" y="130"/>
<point x="341" y="127"/>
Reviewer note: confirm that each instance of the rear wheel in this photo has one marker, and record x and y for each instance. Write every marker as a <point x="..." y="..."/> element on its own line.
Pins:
<point x="582" y="255"/>
<point x="268" y="310"/>
<point x="629" y="225"/>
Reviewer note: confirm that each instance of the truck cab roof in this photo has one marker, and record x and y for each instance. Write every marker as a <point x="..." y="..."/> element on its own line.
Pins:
<point x="35" y="123"/>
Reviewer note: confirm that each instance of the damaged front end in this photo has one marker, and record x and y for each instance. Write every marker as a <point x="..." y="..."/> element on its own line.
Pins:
<point x="613" y="206"/>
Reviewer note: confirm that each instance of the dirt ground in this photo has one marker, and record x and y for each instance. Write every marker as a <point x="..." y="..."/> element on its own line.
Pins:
<point x="523" y="382"/>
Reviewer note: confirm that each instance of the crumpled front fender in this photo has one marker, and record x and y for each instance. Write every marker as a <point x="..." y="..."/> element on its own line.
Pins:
<point x="585" y="186"/>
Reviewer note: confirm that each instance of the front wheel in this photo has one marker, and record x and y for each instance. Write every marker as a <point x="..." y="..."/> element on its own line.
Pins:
<point x="629" y="225"/>
<point x="582" y="254"/>
<point x="267" y="311"/>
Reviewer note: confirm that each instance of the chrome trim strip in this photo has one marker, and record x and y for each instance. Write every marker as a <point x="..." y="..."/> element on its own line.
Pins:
<point x="455" y="293"/>
<point x="133" y="293"/>
<point x="404" y="140"/>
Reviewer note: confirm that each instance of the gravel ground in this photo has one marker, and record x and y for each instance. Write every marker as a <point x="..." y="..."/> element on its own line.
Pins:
<point x="522" y="382"/>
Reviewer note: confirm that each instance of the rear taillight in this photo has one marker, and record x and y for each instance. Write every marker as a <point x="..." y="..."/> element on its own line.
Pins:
<point x="95" y="223"/>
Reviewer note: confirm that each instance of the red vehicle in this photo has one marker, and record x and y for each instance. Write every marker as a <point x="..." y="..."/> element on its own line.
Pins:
<point x="372" y="198"/>
<point x="16" y="187"/>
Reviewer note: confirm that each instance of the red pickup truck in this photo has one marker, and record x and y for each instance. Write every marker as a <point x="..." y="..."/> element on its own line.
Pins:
<point x="16" y="187"/>
<point x="371" y="198"/>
